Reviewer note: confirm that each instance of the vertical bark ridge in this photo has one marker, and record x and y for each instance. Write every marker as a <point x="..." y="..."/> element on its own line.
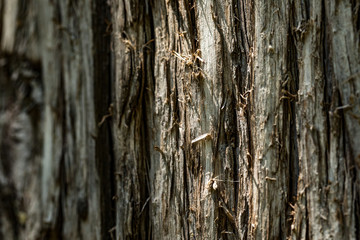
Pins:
<point x="133" y="102"/>
<point x="21" y="109"/>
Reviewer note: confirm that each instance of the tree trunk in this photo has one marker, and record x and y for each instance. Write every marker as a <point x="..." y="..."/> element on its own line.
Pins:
<point x="195" y="119"/>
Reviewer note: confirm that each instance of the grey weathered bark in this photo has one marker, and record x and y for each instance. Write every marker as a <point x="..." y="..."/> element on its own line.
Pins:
<point x="195" y="119"/>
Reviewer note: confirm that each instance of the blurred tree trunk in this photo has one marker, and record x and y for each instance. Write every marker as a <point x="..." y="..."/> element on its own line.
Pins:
<point x="176" y="119"/>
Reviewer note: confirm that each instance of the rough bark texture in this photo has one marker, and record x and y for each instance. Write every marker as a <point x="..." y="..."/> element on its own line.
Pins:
<point x="193" y="119"/>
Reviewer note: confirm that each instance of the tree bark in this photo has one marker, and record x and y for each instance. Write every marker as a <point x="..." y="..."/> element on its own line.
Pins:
<point x="196" y="119"/>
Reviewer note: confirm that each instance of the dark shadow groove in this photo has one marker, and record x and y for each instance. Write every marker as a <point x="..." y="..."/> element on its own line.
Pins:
<point x="104" y="155"/>
<point x="291" y="84"/>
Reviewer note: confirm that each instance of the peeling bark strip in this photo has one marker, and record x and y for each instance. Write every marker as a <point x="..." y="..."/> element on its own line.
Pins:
<point x="195" y="119"/>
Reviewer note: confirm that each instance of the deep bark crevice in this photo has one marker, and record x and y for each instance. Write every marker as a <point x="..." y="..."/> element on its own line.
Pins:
<point x="355" y="5"/>
<point x="1" y="24"/>
<point x="291" y="85"/>
<point x="8" y="206"/>
<point x="306" y="8"/>
<point x="62" y="177"/>
<point x="327" y="71"/>
<point x="186" y="194"/>
<point x="104" y="154"/>
<point x="245" y="32"/>
<point x="144" y="110"/>
<point x="307" y="225"/>
<point x="190" y="6"/>
<point x="235" y="156"/>
<point x="356" y="191"/>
